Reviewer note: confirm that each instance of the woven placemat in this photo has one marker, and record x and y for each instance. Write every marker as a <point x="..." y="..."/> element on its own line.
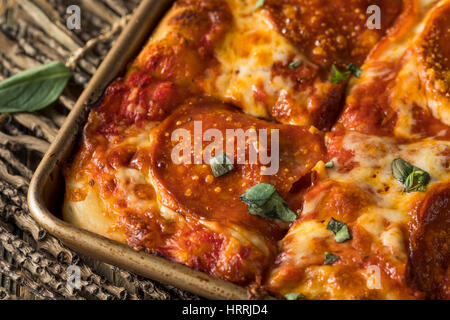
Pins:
<point x="33" y="264"/>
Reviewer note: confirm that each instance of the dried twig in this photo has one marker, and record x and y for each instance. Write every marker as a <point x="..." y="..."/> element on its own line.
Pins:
<point x="26" y="141"/>
<point x="35" y="123"/>
<point x="71" y="62"/>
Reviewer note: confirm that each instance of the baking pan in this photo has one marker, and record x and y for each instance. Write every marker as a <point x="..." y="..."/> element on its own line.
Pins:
<point x="46" y="188"/>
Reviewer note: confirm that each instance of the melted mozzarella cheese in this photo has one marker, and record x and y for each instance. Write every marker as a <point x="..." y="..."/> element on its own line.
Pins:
<point x="90" y="214"/>
<point x="384" y="220"/>
<point x="373" y="173"/>
<point x="247" y="56"/>
<point x="408" y="91"/>
<point x="302" y="240"/>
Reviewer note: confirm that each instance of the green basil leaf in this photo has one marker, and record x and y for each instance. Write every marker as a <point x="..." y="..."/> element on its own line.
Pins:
<point x="335" y="225"/>
<point x="294" y="296"/>
<point x="265" y="202"/>
<point x="329" y="165"/>
<point x="343" y="234"/>
<point x="340" y="230"/>
<point x="34" y="89"/>
<point x="355" y="70"/>
<point x="274" y="208"/>
<point x="221" y="164"/>
<point x="417" y="181"/>
<point x="409" y="182"/>
<point x="294" y="64"/>
<point x="258" y="195"/>
<point x="258" y="4"/>
<point x="330" y="258"/>
<point x="338" y="76"/>
<point x="413" y="178"/>
<point x="401" y="169"/>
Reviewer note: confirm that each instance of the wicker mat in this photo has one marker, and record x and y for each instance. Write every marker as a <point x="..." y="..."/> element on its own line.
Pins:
<point x="33" y="264"/>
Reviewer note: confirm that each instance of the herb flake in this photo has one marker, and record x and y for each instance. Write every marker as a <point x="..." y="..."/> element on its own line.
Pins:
<point x="294" y="296"/>
<point x="221" y="165"/>
<point x="413" y="178"/>
<point x="338" y="76"/>
<point x="295" y="64"/>
<point x="340" y="230"/>
<point x="355" y="70"/>
<point x="330" y="258"/>
<point x="265" y="202"/>
<point x="258" y="4"/>
<point x="335" y="225"/>
<point x="258" y="195"/>
<point x="343" y="234"/>
<point x="329" y="165"/>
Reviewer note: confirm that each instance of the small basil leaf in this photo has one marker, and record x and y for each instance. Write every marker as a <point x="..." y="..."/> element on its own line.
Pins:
<point x="258" y="195"/>
<point x="355" y="70"/>
<point x="330" y="258"/>
<point x="340" y="230"/>
<point x="294" y="296"/>
<point x="34" y="89"/>
<point x="265" y="202"/>
<point x="329" y="165"/>
<point x="343" y="234"/>
<point x="258" y="4"/>
<point x="413" y="178"/>
<point x="294" y="64"/>
<point x="338" y="76"/>
<point x="274" y="208"/>
<point x="267" y="211"/>
<point x="282" y="209"/>
<point x="221" y="164"/>
<point x="409" y="182"/>
<point x="417" y="181"/>
<point x="401" y="169"/>
<point x="335" y="225"/>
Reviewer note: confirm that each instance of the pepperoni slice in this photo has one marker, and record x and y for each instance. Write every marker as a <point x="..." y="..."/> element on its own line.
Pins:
<point x="139" y="98"/>
<point x="327" y="33"/>
<point x="428" y="266"/>
<point x="434" y="52"/>
<point x="407" y="95"/>
<point x="332" y="31"/>
<point x="368" y="109"/>
<point x="194" y="190"/>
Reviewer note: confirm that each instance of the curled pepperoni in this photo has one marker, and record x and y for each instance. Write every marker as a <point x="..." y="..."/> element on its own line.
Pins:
<point x="332" y="31"/>
<point x="434" y="52"/>
<point x="137" y="99"/>
<point x="428" y="266"/>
